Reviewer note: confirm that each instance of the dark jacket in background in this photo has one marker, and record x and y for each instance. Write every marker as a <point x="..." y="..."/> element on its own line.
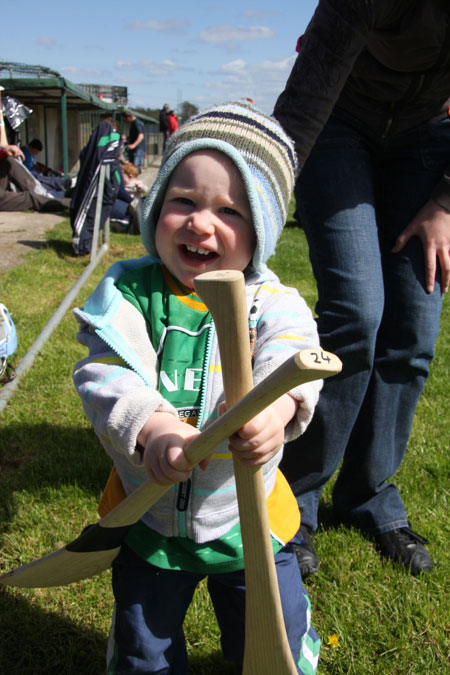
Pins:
<point x="102" y="149"/>
<point x="163" y="120"/>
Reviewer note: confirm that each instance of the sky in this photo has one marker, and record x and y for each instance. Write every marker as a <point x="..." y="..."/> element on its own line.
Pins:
<point x="164" y="52"/>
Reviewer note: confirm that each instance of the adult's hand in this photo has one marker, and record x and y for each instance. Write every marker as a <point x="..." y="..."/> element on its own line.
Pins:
<point x="432" y="225"/>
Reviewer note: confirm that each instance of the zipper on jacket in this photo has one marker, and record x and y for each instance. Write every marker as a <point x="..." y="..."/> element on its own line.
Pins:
<point x="206" y="363"/>
<point x="184" y="489"/>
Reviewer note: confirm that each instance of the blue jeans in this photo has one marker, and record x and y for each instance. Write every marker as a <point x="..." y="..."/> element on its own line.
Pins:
<point x="147" y="632"/>
<point x="137" y="156"/>
<point x="356" y="193"/>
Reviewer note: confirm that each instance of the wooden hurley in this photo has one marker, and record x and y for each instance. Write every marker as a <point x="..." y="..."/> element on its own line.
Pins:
<point x="267" y="649"/>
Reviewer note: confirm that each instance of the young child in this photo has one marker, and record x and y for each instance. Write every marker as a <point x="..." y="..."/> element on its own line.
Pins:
<point x="219" y="202"/>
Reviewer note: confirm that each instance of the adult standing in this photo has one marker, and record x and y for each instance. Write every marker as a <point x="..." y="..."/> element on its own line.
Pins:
<point x="164" y="123"/>
<point x="172" y="119"/>
<point x="136" y="140"/>
<point x="367" y="103"/>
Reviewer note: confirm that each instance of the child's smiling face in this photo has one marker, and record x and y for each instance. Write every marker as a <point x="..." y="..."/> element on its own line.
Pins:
<point x="205" y="222"/>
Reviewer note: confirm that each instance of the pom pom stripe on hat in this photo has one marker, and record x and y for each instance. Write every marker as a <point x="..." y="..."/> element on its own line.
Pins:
<point x="263" y="154"/>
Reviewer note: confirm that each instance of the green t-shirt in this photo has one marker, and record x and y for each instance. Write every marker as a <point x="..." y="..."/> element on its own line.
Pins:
<point x="179" y="327"/>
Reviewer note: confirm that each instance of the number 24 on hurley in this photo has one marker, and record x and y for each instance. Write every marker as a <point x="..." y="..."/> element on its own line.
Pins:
<point x="320" y="357"/>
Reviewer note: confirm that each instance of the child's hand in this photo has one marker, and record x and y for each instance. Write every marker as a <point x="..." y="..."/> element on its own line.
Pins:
<point x="164" y="438"/>
<point x="262" y="437"/>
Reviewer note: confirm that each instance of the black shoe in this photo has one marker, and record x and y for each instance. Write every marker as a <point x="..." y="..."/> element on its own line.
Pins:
<point x="54" y="205"/>
<point x="407" y="547"/>
<point x="307" y="559"/>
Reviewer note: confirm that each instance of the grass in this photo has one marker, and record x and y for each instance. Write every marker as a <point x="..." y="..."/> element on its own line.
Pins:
<point x="52" y="470"/>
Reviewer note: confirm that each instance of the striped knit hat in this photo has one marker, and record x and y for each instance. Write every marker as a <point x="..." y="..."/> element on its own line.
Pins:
<point x="263" y="154"/>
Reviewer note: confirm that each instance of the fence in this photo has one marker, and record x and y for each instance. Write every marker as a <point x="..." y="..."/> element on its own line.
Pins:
<point x="97" y="252"/>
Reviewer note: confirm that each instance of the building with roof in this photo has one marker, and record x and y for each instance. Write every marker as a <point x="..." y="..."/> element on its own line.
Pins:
<point x="64" y="113"/>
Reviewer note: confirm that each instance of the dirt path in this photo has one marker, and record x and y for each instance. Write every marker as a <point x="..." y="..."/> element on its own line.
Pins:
<point x="20" y="232"/>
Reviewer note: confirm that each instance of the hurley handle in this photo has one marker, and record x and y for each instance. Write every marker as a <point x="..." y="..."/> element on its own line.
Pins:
<point x="267" y="648"/>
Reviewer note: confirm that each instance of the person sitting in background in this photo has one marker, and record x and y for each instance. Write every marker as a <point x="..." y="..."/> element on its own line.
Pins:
<point x="131" y="181"/>
<point x="55" y="184"/>
<point x="30" y="151"/>
<point x="126" y="211"/>
<point x="19" y="190"/>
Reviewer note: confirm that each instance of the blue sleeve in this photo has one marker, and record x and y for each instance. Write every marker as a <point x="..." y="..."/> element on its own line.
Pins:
<point x="28" y="161"/>
<point x="140" y="125"/>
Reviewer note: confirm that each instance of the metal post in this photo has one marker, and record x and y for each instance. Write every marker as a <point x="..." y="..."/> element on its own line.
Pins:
<point x="8" y="389"/>
<point x="64" y="132"/>
<point x="45" y="136"/>
<point x="103" y="175"/>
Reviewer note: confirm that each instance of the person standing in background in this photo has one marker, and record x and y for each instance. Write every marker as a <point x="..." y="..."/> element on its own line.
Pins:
<point x="164" y="123"/>
<point x="136" y="140"/>
<point x="172" y="121"/>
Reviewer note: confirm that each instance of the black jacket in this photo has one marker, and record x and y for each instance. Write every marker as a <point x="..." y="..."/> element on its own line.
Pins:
<point x="387" y="62"/>
<point x="102" y="148"/>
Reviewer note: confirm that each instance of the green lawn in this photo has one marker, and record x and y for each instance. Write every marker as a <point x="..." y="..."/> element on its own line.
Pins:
<point x="52" y="470"/>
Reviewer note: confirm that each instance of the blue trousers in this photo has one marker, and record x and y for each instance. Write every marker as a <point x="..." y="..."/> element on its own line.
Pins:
<point x="356" y="193"/>
<point x="137" y="156"/>
<point x="150" y="605"/>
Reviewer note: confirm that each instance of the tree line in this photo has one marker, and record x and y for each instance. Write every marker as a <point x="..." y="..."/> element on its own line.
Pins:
<point x="185" y="111"/>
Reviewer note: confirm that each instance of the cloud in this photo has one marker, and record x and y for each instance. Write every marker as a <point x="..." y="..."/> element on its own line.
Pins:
<point x="259" y="12"/>
<point x="76" y="71"/>
<point x="174" y="26"/>
<point x="153" y="68"/>
<point x="233" y="66"/>
<point x="126" y="65"/>
<point x="276" y="66"/>
<point x="46" y="41"/>
<point x="163" y="68"/>
<point x="227" y="33"/>
<point x="263" y="81"/>
<point x="270" y="68"/>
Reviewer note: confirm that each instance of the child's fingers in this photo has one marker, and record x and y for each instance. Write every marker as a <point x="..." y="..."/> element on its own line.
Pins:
<point x="204" y="463"/>
<point x="260" y="439"/>
<point x="164" y="473"/>
<point x="166" y="462"/>
<point x="176" y="461"/>
<point x="257" y="457"/>
<point x="254" y="451"/>
<point x="221" y="408"/>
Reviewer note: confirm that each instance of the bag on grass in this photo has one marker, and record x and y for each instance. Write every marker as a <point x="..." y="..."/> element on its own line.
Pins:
<point x="8" y="345"/>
